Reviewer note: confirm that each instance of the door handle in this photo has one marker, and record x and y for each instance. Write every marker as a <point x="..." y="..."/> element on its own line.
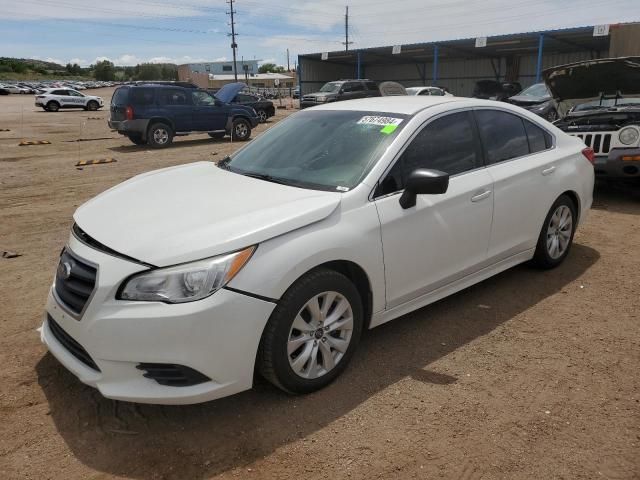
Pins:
<point x="548" y="171"/>
<point x="481" y="196"/>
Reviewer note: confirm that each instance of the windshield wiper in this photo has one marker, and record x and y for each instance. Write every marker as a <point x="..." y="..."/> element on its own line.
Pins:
<point x="224" y="163"/>
<point x="265" y="177"/>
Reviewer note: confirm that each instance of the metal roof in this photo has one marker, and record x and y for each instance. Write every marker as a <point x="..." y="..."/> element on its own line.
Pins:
<point x="555" y="41"/>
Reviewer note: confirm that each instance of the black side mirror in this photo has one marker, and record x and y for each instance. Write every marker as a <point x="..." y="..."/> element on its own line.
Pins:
<point x="423" y="182"/>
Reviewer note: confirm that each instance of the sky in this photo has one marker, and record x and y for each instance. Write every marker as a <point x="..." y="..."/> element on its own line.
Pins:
<point x="128" y="32"/>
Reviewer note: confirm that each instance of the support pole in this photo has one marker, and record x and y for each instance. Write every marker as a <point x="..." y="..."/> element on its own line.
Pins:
<point x="234" y="45"/>
<point x="539" y="64"/>
<point x="359" y="70"/>
<point x="435" y="64"/>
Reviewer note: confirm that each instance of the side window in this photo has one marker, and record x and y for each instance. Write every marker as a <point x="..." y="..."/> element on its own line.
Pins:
<point x="437" y="92"/>
<point x="202" y="98"/>
<point x="447" y="144"/>
<point x="227" y="68"/>
<point x="141" y="96"/>
<point x="172" y="97"/>
<point x="357" y="87"/>
<point x="347" y="87"/>
<point x="73" y="93"/>
<point x="372" y="86"/>
<point x="425" y="92"/>
<point x="63" y="93"/>
<point x="503" y="135"/>
<point x="539" y="139"/>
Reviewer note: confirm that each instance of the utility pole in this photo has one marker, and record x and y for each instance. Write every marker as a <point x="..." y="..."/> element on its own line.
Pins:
<point x="234" y="45"/>
<point x="288" y="66"/>
<point x="346" y="42"/>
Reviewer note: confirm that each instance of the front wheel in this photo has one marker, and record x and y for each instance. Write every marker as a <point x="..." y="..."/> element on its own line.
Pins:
<point x="557" y="233"/>
<point x="92" y="106"/>
<point x="262" y="115"/>
<point x="313" y="332"/>
<point x="160" y="135"/>
<point x="241" y="130"/>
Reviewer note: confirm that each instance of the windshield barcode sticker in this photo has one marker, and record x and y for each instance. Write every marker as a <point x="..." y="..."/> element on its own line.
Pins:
<point x="379" y="121"/>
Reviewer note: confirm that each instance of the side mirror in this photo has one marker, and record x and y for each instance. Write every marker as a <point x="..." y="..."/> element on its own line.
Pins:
<point x="423" y="182"/>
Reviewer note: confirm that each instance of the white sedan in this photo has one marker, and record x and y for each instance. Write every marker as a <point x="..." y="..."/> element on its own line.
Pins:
<point x="428" y="91"/>
<point x="175" y="284"/>
<point x="16" y="89"/>
<point x="53" y="99"/>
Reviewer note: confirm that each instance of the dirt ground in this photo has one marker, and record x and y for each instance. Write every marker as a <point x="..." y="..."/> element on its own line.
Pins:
<point x="527" y="375"/>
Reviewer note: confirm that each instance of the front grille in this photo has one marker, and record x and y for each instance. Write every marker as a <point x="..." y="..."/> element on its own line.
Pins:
<point x="172" y="375"/>
<point x="75" y="281"/>
<point x="71" y="345"/>
<point x="600" y="142"/>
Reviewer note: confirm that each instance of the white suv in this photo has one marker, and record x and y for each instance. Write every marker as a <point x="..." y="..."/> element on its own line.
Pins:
<point x="54" y="99"/>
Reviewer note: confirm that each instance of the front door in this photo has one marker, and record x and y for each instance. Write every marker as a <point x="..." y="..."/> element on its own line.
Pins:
<point x="443" y="237"/>
<point x="207" y="116"/>
<point x="177" y="104"/>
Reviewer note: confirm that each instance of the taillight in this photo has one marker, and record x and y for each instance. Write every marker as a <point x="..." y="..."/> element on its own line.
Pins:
<point x="129" y="112"/>
<point x="589" y="154"/>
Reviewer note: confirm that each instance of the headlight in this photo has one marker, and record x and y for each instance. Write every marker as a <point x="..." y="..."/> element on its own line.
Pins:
<point x="188" y="282"/>
<point x="321" y="99"/>
<point x="628" y="135"/>
<point x="541" y="106"/>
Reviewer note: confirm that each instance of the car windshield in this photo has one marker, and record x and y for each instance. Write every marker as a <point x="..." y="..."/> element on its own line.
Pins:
<point x="537" y="90"/>
<point x="322" y="150"/>
<point x="606" y="103"/>
<point x="330" y="87"/>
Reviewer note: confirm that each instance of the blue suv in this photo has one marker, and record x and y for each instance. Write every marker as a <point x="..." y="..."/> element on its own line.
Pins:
<point x="153" y="114"/>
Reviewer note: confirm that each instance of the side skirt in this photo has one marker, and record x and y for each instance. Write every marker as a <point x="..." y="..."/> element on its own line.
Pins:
<point x="442" y="292"/>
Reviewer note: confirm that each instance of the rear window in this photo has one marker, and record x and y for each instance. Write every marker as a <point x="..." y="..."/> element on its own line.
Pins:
<point x="142" y="96"/>
<point x="120" y="96"/>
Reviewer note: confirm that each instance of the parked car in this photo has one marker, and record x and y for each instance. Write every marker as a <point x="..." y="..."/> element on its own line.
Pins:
<point x="600" y="98"/>
<point x="4" y="90"/>
<point x="175" y="284"/>
<point x="263" y="107"/>
<point x="341" y="90"/>
<point x="296" y="92"/>
<point x="16" y="89"/>
<point x="494" y="90"/>
<point x="429" y="91"/>
<point x="54" y="99"/>
<point x="537" y="99"/>
<point x="153" y="114"/>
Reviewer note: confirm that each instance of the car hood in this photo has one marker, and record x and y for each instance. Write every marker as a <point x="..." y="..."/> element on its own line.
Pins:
<point x="228" y="92"/>
<point x="591" y="79"/>
<point x="195" y="211"/>
<point x="527" y="100"/>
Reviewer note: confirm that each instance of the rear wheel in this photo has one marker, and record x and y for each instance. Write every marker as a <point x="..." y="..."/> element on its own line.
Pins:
<point x="557" y="233"/>
<point x="241" y="130"/>
<point x="262" y="115"/>
<point x="53" y="106"/>
<point x="160" y="135"/>
<point x="313" y="332"/>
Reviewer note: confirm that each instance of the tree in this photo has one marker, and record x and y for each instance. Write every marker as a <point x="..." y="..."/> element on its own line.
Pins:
<point x="149" y="71"/>
<point x="104" y="71"/>
<point x="270" y="68"/>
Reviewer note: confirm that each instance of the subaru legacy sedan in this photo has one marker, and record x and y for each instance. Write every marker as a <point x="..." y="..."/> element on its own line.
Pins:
<point x="178" y="285"/>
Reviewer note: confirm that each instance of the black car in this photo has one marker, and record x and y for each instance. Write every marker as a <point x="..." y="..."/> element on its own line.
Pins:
<point x="153" y="114"/>
<point x="537" y="99"/>
<point x="263" y="107"/>
<point x="341" y="90"/>
<point x="600" y="104"/>
<point x="494" y="90"/>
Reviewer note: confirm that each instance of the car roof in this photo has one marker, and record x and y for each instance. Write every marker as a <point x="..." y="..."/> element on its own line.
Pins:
<point x="405" y="105"/>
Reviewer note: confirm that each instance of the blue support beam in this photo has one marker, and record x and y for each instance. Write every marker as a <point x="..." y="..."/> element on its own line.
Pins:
<point x="359" y="69"/>
<point x="539" y="64"/>
<point x="435" y="64"/>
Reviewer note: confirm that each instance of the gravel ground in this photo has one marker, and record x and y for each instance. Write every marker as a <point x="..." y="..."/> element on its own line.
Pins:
<point x="529" y="374"/>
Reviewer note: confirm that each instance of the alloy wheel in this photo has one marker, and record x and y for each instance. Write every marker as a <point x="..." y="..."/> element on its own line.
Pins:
<point x="241" y="130"/>
<point x="160" y="136"/>
<point x="559" y="232"/>
<point x="320" y="335"/>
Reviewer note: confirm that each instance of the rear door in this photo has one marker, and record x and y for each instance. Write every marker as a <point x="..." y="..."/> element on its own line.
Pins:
<point x="177" y="103"/>
<point x="207" y="116"/>
<point x="522" y="163"/>
<point x="119" y="102"/>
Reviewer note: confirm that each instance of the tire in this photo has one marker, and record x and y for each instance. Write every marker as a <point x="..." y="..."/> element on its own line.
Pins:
<point x="53" y="106"/>
<point x="298" y="360"/>
<point x="137" y="139"/>
<point x="160" y="135"/>
<point x="556" y="235"/>
<point x="262" y="115"/>
<point x="92" y="105"/>
<point x="551" y="116"/>
<point x="241" y="130"/>
<point x="217" y="135"/>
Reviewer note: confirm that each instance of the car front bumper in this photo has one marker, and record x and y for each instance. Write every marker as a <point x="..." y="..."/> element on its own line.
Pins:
<point x="217" y="336"/>
<point x="616" y="164"/>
